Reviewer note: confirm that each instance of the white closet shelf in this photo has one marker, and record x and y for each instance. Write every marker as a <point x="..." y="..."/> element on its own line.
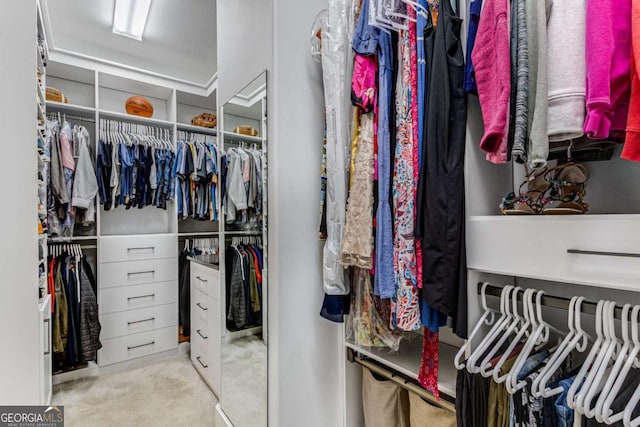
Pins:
<point x="70" y="108"/>
<point x="70" y="239"/>
<point x="125" y="236"/>
<point x="197" y="129"/>
<point x="104" y="114"/>
<point x="240" y="137"/>
<point x="202" y="233"/>
<point x="407" y="361"/>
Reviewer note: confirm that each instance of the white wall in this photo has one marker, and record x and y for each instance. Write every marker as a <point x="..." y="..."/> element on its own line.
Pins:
<point x="19" y="330"/>
<point x="244" y="43"/>
<point x="309" y="359"/>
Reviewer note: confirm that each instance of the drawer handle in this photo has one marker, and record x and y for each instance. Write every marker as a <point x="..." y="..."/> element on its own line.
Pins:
<point x="201" y="307"/>
<point x="199" y="333"/>
<point x="146" y="248"/>
<point x="201" y="279"/>
<point x="200" y="362"/>
<point x="142" y="296"/>
<point x="619" y="254"/>
<point x="48" y="334"/>
<point x="141" y="272"/>
<point x="141" y="345"/>
<point x="151" y="319"/>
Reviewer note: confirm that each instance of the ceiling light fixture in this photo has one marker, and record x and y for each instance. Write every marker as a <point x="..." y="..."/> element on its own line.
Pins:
<point x="130" y="17"/>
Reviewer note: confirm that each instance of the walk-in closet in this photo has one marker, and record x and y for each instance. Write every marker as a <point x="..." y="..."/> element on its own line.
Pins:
<point x="320" y="213"/>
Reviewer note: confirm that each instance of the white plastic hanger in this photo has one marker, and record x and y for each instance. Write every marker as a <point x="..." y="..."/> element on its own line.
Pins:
<point x="577" y="339"/>
<point x="486" y="369"/>
<point x="631" y="360"/>
<point x="619" y="358"/>
<point x="488" y="318"/>
<point x="597" y="345"/>
<point x="484" y="345"/>
<point x="592" y="383"/>
<point x="540" y="336"/>
<point x="524" y="330"/>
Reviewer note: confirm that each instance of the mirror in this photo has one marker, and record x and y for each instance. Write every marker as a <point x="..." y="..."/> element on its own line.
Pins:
<point x="243" y="394"/>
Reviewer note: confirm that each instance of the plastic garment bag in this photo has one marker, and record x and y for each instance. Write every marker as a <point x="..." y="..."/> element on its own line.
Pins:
<point x="336" y="50"/>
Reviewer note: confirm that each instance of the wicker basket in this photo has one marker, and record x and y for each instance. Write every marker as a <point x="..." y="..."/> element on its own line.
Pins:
<point x="56" y="95"/>
<point x="205" y="120"/>
<point x="246" y="130"/>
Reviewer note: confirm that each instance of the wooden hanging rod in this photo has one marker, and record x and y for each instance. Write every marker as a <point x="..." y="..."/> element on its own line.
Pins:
<point x="587" y="307"/>
<point x="402" y="381"/>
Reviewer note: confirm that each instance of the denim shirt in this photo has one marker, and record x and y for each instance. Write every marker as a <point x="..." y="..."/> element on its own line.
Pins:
<point x="474" y="20"/>
<point x="369" y="40"/>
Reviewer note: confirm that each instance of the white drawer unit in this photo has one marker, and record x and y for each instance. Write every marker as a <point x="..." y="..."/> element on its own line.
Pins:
<point x="138" y="272"/>
<point x="206" y="279"/>
<point x="136" y="248"/>
<point x="206" y="324"/>
<point x="587" y="250"/>
<point x="135" y="321"/>
<point x="124" y="298"/>
<point x="137" y="345"/>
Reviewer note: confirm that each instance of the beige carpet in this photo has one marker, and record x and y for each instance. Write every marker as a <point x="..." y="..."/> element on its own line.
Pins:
<point x="166" y="392"/>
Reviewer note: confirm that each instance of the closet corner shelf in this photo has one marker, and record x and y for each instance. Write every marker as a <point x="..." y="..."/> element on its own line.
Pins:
<point x="104" y="114"/>
<point x="407" y="361"/>
<point x="197" y="129"/>
<point x="244" y="138"/>
<point x="80" y="110"/>
<point x="549" y="218"/>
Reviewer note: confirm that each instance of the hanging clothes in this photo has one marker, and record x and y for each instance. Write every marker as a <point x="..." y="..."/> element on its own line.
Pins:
<point x="196" y="179"/>
<point x="244" y="286"/>
<point x="73" y="180"/>
<point x="242" y="183"/>
<point x="441" y="217"/>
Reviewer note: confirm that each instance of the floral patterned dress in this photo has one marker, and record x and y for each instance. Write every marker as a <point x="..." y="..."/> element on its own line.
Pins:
<point x="405" y="307"/>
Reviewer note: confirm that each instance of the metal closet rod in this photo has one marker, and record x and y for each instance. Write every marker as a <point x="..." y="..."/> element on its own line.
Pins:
<point x="587" y="307"/>
<point x="76" y="118"/>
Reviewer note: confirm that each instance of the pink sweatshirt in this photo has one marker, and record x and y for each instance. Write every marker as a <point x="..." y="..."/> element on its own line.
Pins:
<point x="608" y="48"/>
<point x="492" y="58"/>
<point x="631" y="149"/>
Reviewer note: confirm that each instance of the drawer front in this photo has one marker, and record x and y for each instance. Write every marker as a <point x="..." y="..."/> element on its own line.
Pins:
<point x="136" y="248"/>
<point x="590" y="250"/>
<point x="200" y="358"/>
<point x="125" y="298"/>
<point x="138" y="272"/>
<point x="200" y="308"/>
<point x="135" y="321"/>
<point x="137" y="345"/>
<point x="206" y="279"/>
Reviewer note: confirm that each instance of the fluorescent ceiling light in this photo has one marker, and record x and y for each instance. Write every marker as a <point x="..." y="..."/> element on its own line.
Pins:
<point x="130" y="17"/>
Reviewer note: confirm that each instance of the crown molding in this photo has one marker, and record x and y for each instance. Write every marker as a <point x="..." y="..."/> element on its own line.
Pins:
<point x="70" y="57"/>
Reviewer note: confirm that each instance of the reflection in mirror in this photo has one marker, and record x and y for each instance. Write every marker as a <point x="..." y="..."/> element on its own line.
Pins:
<point x="243" y="396"/>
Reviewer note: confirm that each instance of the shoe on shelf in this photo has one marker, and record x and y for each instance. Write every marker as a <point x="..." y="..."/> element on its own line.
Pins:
<point x="531" y="201"/>
<point x="567" y="183"/>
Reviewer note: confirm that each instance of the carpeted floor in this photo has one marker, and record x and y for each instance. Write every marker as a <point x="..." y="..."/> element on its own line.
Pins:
<point x="244" y="382"/>
<point x="166" y="392"/>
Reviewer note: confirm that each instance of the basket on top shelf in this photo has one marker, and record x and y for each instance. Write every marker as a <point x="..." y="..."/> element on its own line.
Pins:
<point x="53" y="94"/>
<point x="246" y="130"/>
<point x="205" y="120"/>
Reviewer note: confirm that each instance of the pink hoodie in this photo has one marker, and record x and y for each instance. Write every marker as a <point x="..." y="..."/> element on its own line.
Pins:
<point x="631" y="149"/>
<point x="608" y="47"/>
<point x="492" y="58"/>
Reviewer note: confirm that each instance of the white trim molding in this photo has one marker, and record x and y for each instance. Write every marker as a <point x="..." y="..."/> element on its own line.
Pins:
<point x="70" y="57"/>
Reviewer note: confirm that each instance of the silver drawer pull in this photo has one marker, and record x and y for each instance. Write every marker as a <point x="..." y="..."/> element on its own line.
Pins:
<point x="200" y="362"/>
<point x="151" y="319"/>
<point x="203" y="308"/>
<point x="199" y="333"/>
<point x="142" y="296"/>
<point x="201" y="279"/>
<point x="147" y="248"/>
<point x="141" y="345"/>
<point x="619" y="254"/>
<point x="141" y="272"/>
